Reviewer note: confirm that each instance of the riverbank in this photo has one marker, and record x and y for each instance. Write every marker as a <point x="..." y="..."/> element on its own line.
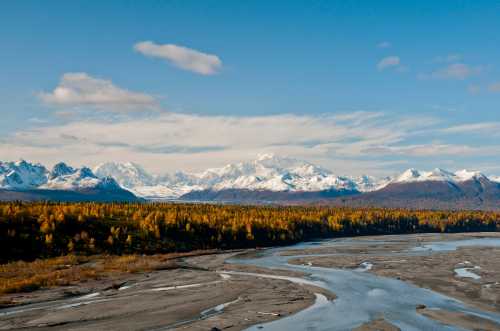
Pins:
<point x="203" y="291"/>
<point x="188" y="293"/>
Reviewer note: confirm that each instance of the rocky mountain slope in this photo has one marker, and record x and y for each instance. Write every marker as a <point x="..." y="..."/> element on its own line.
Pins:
<point x="478" y="192"/>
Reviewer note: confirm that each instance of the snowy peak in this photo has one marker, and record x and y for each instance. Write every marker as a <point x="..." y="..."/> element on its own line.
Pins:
<point x="414" y="175"/>
<point x="61" y="169"/>
<point x="465" y="175"/>
<point x="22" y="175"/>
<point x="84" y="173"/>
<point x="127" y="174"/>
<point x="268" y="172"/>
<point x="409" y="176"/>
<point x="136" y="179"/>
<point x="107" y="183"/>
<point x="368" y="183"/>
<point x="272" y="161"/>
<point x="273" y="173"/>
<point x="440" y="175"/>
<point x="275" y="163"/>
<point x="63" y="177"/>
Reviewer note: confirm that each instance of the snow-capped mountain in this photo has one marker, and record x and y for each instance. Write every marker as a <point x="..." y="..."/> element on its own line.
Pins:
<point x="268" y="178"/>
<point x="34" y="182"/>
<point x="134" y="178"/>
<point x="273" y="173"/>
<point x="64" y="177"/>
<point x="436" y="189"/>
<point x="126" y="174"/>
<point x="369" y="183"/>
<point x="267" y="173"/>
<point x="413" y="175"/>
<point x="495" y="179"/>
<point x="22" y="175"/>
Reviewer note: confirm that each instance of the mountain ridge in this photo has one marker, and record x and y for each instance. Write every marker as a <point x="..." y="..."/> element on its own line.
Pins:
<point x="267" y="179"/>
<point x="22" y="180"/>
<point x="471" y="194"/>
<point x="267" y="173"/>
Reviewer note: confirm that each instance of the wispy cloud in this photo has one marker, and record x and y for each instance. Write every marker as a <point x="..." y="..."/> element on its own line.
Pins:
<point x="82" y="90"/>
<point x="182" y="57"/>
<point x="171" y="141"/>
<point x="482" y="128"/>
<point x="454" y="71"/>
<point x="428" y="150"/>
<point x="389" y="62"/>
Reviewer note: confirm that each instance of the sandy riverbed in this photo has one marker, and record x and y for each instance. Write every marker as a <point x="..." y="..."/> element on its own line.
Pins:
<point x="165" y="299"/>
<point x="196" y="296"/>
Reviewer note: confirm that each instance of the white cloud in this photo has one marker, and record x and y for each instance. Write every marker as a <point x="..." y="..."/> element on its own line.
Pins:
<point x="454" y="71"/>
<point x="349" y="143"/>
<point x="172" y="141"/>
<point x="82" y="90"/>
<point x="482" y="128"/>
<point x="428" y="150"/>
<point x="388" y="62"/>
<point x="182" y="57"/>
<point x="384" y="44"/>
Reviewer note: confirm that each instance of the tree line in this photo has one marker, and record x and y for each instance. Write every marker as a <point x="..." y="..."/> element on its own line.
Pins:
<point x="38" y="230"/>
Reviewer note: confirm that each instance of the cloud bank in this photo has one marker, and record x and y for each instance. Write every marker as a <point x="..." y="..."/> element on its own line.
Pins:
<point x="355" y="142"/>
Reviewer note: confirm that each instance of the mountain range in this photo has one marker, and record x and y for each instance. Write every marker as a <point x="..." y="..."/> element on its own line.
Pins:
<point x="26" y="181"/>
<point x="267" y="173"/>
<point x="267" y="179"/>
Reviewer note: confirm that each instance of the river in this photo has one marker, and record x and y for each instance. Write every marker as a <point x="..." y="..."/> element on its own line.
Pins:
<point x="363" y="296"/>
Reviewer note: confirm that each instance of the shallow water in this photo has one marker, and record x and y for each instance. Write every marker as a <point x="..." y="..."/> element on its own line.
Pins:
<point x="362" y="296"/>
<point x="467" y="273"/>
<point x="445" y="246"/>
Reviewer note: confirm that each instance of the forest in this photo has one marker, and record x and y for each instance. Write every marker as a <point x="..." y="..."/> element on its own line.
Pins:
<point x="40" y="230"/>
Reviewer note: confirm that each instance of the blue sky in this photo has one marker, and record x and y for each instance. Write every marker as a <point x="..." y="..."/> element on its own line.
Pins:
<point x="356" y="86"/>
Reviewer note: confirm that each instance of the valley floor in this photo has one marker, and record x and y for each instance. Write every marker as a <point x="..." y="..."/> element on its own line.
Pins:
<point x="179" y="297"/>
<point x="191" y="292"/>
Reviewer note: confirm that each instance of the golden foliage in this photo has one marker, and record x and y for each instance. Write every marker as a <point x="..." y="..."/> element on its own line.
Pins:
<point x="34" y="230"/>
<point x="23" y="276"/>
